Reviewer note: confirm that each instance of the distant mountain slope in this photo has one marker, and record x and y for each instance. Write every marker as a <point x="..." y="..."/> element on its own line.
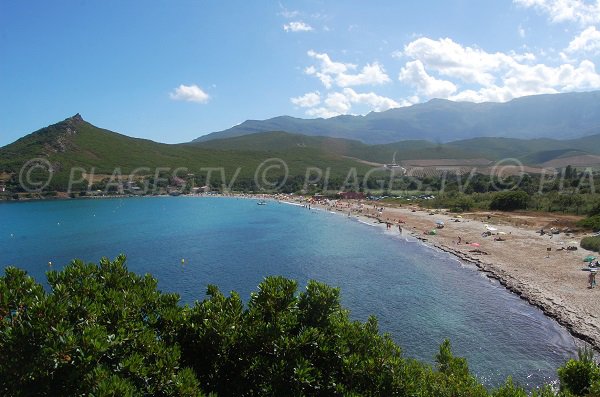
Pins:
<point x="529" y="151"/>
<point x="270" y="141"/>
<point x="559" y="116"/>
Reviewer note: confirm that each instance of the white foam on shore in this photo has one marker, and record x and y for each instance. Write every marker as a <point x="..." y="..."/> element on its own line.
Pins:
<point x="366" y="223"/>
<point x="291" y="203"/>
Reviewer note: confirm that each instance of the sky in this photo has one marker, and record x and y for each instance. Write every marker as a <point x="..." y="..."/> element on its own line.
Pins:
<point x="171" y="71"/>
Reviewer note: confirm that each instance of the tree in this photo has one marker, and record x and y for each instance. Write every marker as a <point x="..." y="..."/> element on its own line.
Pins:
<point x="595" y="210"/>
<point x="100" y="328"/>
<point x="509" y="201"/>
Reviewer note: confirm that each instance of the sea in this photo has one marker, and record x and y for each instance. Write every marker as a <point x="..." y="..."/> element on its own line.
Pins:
<point x="419" y="294"/>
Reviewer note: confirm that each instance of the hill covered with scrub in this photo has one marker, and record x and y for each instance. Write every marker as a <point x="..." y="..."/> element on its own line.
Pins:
<point x="102" y="330"/>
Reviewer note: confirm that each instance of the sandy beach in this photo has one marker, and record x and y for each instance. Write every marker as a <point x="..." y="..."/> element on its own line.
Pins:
<point x="536" y="267"/>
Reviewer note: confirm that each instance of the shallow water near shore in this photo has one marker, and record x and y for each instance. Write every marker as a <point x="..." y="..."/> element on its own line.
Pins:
<point x="420" y="295"/>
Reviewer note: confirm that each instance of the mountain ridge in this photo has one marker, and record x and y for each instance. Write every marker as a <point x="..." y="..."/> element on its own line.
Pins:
<point x="566" y="115"/>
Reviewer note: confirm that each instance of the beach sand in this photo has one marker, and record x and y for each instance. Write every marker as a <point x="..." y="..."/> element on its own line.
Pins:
<point x="526" y="263"/>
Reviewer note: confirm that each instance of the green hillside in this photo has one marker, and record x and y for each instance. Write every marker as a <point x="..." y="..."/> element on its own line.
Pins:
<point x="529" y="151"/>
<point x="77" y="143"/>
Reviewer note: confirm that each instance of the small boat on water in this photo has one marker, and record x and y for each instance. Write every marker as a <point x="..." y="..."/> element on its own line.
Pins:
<point x="262" y="202"/>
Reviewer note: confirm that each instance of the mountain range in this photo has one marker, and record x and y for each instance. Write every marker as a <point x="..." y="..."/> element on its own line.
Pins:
<point x="575" y="118"/>
<point x="559" y="116"/>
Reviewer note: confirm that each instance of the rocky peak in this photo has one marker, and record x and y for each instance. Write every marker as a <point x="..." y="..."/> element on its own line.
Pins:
<point x="77" y="119"/>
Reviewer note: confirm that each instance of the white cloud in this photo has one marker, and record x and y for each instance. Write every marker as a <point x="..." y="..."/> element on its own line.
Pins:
<point x="297" y="26"/>
<point x="375" y="102"/>
<point x="414" y="73"/>
<point x="451" y="59"/>
<point x="307" y="100"/>
<point x="288" y="13"/>
<point x="341" y="102"/>
<point x="521" y="32"/>
<point x="372" y="73"/>
<point x="585" y="13"/>
<point x="321" y="112"/>
<point x="338" y="73"/>
<point x="475" y="75"/>
<point x="189" y="93"/>
<point x="587" y="41"/>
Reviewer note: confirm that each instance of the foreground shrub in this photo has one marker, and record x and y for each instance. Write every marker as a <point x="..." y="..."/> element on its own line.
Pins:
<point x="578" y="376"/>
<point x="102" y="330"/>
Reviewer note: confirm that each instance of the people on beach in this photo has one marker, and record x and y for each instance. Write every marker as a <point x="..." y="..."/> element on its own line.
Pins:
<point x="592" y="279"/>
<point x="459" y="240"/>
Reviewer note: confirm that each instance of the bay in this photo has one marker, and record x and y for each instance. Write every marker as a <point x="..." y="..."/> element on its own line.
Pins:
<point x="419" y="295"/>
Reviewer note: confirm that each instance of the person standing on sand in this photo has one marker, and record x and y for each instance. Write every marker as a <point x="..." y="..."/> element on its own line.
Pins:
<point x="592" y="279"/>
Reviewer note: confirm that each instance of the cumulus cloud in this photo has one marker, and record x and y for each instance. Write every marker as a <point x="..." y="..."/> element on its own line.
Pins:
<point x="307" y="100"/>
<point x="473" y="74"/>
<point x="585" y="13"/>
<point x="330" y="72"/>
<point x="336" y="75"/>
<point x="297" y="26"/>
<point x="414" y="73"/>
<point x="452" y="59"/>
<point x="341" y="102"/>
<point x="189" y="93"/>
<point x="587" y="41"/>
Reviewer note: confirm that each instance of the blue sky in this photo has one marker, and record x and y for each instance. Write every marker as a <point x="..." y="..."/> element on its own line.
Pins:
<point x="172" y="71"/>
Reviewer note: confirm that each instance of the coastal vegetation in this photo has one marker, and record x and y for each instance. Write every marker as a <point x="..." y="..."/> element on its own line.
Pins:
<point x="591" y="243"/>
<point x="77" y="157"/>
<point x="103" y="330"/>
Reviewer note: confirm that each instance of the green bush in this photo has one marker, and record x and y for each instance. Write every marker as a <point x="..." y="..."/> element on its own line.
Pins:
<point x="509" y="201"/>
<point x="578" y="376"/>
<point x="592" y="222"/>
<point x="595" y="210"/>
<point x="591" y="243"/>
<point x="102" y="330"/>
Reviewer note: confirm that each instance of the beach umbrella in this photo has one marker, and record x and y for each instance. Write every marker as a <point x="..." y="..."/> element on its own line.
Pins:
<point x="439" y="222"/>
<point x="491" y="229"/>
<point x="475" y="244"/>
<point x="589" y="258"/>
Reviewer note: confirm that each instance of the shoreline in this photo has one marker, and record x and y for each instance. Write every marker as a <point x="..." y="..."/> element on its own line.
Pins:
<point x="565" y="311"/>
<point x="521" y="290"/>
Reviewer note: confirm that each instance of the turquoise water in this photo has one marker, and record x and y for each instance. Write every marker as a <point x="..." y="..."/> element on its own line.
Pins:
<point x="419" y="295"/>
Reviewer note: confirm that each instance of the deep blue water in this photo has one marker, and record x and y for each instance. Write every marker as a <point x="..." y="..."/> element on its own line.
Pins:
<point x="419" y="295"/>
